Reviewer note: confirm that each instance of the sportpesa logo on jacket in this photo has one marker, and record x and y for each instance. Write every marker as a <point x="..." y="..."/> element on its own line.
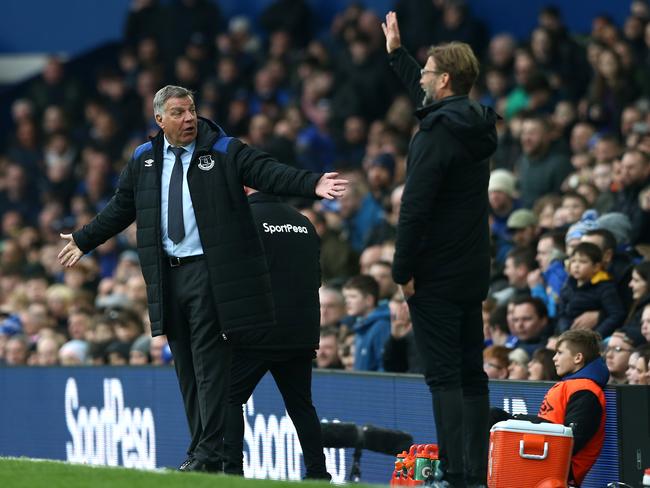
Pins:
<point x="272" y="229"/>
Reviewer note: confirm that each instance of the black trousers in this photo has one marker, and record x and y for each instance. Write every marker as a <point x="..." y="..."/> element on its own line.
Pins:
<point x="293" y="378"/>
<point x="449" y="337"/>
<point x="201" y="357"/>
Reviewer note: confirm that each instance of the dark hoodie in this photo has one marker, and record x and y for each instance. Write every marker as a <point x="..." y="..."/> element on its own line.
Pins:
<point x="443" y="233"/>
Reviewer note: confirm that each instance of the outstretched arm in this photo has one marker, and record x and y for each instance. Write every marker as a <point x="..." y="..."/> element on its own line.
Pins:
<point x="407" y="68"/>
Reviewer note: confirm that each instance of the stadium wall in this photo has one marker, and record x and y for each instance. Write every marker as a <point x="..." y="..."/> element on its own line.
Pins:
<point x="75" y="26"/>
<point x="134" y="417"/>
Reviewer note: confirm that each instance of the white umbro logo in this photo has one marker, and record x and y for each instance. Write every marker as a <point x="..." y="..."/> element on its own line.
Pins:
<point x="148" y="163"/>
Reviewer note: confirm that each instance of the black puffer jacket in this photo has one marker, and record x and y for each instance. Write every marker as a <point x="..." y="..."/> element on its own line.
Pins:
<point x="443" y="235"/>
<point x="292" y="252"/>
<point x="239" y="275"/>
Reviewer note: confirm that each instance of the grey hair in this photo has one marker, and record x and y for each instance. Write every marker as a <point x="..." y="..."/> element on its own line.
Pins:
<point x="167" y="92"/>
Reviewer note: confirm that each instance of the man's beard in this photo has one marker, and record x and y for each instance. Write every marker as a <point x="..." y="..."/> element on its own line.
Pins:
<point x="429" y="97"/>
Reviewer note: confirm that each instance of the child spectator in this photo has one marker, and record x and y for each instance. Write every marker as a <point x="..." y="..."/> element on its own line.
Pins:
<point x="589" y="288"/>
<point x="372" y="323"/>
<point x="577" y="400"/>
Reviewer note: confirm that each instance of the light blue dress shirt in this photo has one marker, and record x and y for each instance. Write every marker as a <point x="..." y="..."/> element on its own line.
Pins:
<point x="191" y="243"/>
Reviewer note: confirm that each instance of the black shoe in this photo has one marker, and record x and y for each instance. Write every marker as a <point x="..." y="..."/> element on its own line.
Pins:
<point x="185" y="463"/>
<point x="194" y="464"/>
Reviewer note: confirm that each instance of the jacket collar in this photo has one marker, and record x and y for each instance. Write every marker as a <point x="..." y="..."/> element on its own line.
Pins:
<point x="432" y="107"/>
<point x="206" y="135"/>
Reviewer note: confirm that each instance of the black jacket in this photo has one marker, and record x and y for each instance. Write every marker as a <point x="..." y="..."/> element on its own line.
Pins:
<point x="292" y="252"/>
<point x="443" y="235"/>
<point x="241" y="286"/>
<point x="598" y="295"/>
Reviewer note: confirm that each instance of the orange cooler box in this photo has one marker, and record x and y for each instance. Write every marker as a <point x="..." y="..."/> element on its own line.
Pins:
<point x="528" y="455"/>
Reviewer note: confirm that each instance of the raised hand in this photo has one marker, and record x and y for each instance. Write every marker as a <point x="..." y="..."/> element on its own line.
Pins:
<point x="330" y="187"/>
<point x="391" y="31"/>
<point x="70" y="254"/>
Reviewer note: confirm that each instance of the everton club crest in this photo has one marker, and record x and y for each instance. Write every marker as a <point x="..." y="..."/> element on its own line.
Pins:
<point x="206" y="163"/>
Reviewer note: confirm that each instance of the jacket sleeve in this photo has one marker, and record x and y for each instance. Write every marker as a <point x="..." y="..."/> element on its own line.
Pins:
<point x="408" y="71"/>
<point x="612" y="313"/>
<point x="563" y="321"/>
<point x="584" y="412"/>
<point x="259" y="170"/>
<point x="113" y="219"/>
<point x="428" y="161"/>
<point x="396" y="355"/>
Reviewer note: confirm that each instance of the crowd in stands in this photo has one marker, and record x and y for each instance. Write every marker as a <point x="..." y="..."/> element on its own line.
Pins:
<point x="569" y="191"/>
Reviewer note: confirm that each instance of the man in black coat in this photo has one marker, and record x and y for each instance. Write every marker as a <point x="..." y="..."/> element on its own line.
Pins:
<point x="292" y="252"/>
<point x="442" y="251"/>
<point x="200" y="254"/>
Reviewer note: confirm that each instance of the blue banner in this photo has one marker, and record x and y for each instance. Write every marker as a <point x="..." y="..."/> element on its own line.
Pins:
<point x="134" y="417"/>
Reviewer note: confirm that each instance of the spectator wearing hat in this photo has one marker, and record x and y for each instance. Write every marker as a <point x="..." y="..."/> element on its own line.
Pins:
<point x="617" y="354"/>
<point x="503" y="202"/>
<point x="140" y="351"/>
<point x="619" y="225"/>
<point x="541" y="169"/>
<point x="73" y="353"/>
<point x="573" y="236"/>
<point x="522" y="224"/>
<point x="617" y="263"/>
<point x="118" y="353"/>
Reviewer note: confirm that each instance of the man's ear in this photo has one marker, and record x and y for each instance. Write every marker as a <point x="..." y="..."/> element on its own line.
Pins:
<point x="159" y="121"/>
<point x="445" y="80"/>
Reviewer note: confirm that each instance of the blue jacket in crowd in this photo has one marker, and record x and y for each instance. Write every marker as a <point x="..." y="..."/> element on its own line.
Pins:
<point x="371" y="334"/>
